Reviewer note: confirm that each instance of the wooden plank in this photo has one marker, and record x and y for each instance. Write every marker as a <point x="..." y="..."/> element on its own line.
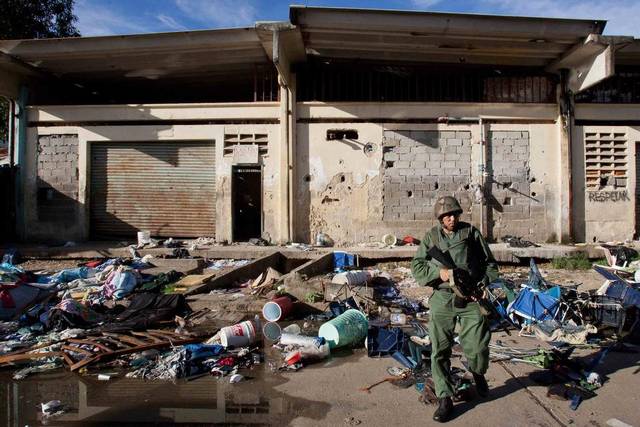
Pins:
<point x="115" y="342"/>
<point x="195" y="280"/>
<point x="117" y="353"/>
<point x="128" y="339"/>
<point x="27" y="356"/>
<point x="147" y="335"/>
<point x="77" y="350"/>
<point x="90" y="342"/>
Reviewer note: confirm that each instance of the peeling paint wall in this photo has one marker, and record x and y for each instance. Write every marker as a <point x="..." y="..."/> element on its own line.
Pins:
<point x="338" y="184"/>
<point x="399" y="194"/>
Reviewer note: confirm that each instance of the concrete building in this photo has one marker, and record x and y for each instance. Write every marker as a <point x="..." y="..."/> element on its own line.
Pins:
<point x="350" y="122"/>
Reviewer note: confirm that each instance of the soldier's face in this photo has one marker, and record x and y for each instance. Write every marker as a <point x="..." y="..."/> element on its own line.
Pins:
<point x="449" y="222"/>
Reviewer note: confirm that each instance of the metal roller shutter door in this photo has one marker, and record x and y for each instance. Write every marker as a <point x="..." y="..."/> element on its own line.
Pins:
<point x="167" y="188"/>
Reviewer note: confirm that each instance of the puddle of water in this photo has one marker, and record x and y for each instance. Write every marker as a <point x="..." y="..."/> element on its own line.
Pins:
<point x="203" y="401"/>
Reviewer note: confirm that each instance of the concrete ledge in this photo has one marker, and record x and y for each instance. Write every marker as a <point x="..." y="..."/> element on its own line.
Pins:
<point x="501" y="251"/>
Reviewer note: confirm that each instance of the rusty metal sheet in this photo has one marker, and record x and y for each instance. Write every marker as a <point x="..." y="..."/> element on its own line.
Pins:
<point x="167" y="188"/>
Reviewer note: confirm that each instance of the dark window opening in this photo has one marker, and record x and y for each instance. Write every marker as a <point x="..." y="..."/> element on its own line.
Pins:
<point x="338" y="134"/>
<point x="374" y="82"/>
<point x="622" y="88"/>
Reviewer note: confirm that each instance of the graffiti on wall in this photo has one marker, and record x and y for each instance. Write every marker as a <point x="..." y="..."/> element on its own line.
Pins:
<point x="609" y="196"/>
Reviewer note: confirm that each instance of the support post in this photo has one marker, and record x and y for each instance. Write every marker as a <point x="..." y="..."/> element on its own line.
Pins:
<point x="20" y="158"/>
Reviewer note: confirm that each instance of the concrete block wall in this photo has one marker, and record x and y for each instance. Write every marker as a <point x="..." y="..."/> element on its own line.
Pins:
<point x="420" y="166"/>
<point x="514" y="209"/>
<point x="57" y="178"/>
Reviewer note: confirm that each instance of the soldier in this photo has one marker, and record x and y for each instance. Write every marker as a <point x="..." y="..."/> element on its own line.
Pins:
<point x="470" y="253"/>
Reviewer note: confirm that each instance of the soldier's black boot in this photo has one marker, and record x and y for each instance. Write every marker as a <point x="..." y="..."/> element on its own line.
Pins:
<point x="481" y="385"/>
<point x="444" y="411"/>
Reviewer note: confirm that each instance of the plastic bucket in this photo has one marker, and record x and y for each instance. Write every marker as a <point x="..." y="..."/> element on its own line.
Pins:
<point x="389" y="239"/>
<point x="347" y="329"/>
<point x="277" y="309"/>
<point x="352" y="278"/>
<point x="239" y="335"/>
<point x="144" y="237"/>
<point x="272" y="331"/>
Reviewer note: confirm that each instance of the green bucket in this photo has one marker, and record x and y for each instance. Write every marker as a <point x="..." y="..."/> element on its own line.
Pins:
<point x="347" y="329"/>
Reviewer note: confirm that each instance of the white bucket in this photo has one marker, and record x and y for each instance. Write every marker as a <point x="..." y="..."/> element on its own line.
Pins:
<point x="389" y="239"/>
<point x="239" y="335"/>
<point x="352" y="278"/>
<point x="144" y="237"/>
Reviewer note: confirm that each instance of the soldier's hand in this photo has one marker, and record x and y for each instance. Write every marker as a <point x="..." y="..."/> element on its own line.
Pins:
<point x="444" y="274"/>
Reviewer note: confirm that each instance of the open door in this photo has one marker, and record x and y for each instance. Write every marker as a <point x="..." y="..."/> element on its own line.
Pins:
<point x="246" y="199"/>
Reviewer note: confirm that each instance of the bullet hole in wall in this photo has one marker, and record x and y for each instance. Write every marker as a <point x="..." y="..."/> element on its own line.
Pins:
<point x="435" y="185"/>
<point x="466" y="187"/>
<point x="533" y="194"/>
<point x="342" y="178"/>
<point x="389" y="164"/>
<point x="307" y="178"/>
<point x="507" y="201"/>
<point x="409" y="193"/>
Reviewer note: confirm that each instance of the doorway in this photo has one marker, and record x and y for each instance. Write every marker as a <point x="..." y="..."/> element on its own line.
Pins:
<point x="246" y="201"/>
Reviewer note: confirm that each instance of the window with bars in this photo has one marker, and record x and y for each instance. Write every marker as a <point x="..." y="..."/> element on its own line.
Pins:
<point x="259" y="139"/>
<point x="605" y="159"/>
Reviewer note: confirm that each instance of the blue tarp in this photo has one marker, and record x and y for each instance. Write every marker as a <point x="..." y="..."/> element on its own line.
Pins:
<point x="342" y="261"/>
<point x="535" y="306"/>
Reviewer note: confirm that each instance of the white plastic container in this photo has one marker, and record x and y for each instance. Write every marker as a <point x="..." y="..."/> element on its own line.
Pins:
<point x="239" y="335"/>
<point x="352" y="278"/>
<point x="144" y="237"/>
<point x="301" y="340"/>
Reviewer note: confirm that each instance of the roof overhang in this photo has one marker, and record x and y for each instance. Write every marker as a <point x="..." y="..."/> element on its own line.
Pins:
<point x="590" y="62"/>
<point x="139" y="59"/>
<point x="438" y="37"/>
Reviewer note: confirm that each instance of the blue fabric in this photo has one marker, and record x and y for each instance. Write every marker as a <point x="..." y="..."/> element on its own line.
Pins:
<point x="620" y="289"/>
<point x="535" y="306"/>
<point x="66" y="276"/>
<point x="384" y="342"/>
<point x="124" y="283"/>
<point x="343" y="260"/>
<point x="554" y="292"/>
<point x="202" y="351"/>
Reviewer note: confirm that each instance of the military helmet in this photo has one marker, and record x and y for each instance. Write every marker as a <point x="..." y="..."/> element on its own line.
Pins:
<point x="446" y="205"/>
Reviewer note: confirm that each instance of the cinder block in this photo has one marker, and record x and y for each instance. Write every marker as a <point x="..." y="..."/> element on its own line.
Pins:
<point x="436" y="156"/>
<point x="408" y="156"/>
<point x="454" y="142"/>
<point x="402" y="163"/>
<point x="418" y="149"/>
<point x="446" y="134"/>
<point x="448" y="164"/>
<point x="391" y="156"/>
<point x="452" y="171"/>
<point x="421" y="157"/>
<point x="464" y="149"/>
<point x="463" y="134"/>
<point x="520" y="148"/>
<point x="406" y="217"/>
<point x="450" y="149"/>
<point x="402" y="150"/>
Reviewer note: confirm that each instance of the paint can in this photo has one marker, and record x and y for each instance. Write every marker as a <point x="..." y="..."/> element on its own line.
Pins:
<point x="238" y="335"/>
<point x="277" y="309"/>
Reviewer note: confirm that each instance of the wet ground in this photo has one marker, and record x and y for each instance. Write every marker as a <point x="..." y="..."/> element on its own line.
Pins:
<point x="327" y="393"/>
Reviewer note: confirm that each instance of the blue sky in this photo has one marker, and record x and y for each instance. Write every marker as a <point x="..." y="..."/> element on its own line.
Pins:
<point x="105" y="17"/>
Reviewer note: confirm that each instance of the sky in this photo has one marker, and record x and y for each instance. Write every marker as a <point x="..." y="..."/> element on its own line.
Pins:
<point x="107" y="17"/>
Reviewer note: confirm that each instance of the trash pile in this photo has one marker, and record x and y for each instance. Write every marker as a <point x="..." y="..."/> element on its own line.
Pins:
<point x="109" y="315"/>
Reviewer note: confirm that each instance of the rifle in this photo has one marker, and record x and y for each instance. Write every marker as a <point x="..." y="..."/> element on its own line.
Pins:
<point x="461" y="283"/>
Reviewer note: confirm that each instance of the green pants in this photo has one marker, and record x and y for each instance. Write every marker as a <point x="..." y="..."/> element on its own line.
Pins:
<point x="474" y="338"/>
